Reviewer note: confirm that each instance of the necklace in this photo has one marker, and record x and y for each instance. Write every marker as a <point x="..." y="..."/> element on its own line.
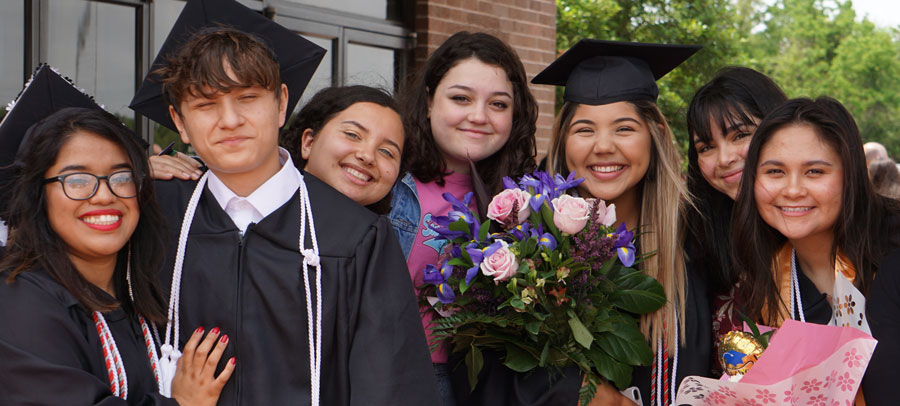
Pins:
<point x="115" y="368"/>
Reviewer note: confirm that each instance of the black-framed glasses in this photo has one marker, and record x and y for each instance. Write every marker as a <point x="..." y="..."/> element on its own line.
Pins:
<point x="84" y="185"/>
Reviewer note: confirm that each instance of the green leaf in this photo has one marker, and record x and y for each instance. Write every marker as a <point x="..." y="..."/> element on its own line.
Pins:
<point x="547" y="215"/>
<point x="517" y="303"/>
<point x="625" y="343"/>
<point x="483" y="231"/>
<point x="545" y="353"/>
<point x="638" y="293"/>
<point x="610" y="369"/>
<point x="460" y="262"/>
<point x="581" y="333"/>
<point x="474" y="363"/>
<point x="533" y="327"/>
<point x="459" y="225"/>
<point x="518" y="359"/>
<point x="463" y="286"/>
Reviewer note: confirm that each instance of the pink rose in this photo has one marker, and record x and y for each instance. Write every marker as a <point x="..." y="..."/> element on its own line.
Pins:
<point x="570" y="214"/>
<point x="606" y="214"/>
<point x="501" y="265"/>
<point x="501" y="206"/>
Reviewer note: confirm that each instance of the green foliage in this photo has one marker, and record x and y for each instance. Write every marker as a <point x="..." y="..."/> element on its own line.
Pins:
<point x="809" y="47"/>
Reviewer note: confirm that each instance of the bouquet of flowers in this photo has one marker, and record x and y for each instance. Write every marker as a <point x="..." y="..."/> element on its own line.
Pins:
<point x="552" y="288"/>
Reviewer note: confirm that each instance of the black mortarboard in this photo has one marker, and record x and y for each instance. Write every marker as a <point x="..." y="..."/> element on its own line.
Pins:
<point x="44" y="94"/>
<point x="597" y="72"/>
<point x="297" y="57"/>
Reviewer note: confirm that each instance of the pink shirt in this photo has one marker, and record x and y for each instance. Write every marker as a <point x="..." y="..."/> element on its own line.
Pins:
<point x="426" y="249"/>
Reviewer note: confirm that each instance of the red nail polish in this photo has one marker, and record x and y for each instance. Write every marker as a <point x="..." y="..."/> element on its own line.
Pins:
<point x="199" y="330"/>
<point x="233" y="360"/>
<point x="214" y="331"/>
<point x="224" y="339"/>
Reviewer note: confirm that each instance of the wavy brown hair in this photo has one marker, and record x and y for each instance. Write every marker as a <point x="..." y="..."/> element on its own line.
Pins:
<point x="198" y="67"/>
<point x="864" y="231"/>
<point x="34" y="243"/>
<point x="516" y="157"/>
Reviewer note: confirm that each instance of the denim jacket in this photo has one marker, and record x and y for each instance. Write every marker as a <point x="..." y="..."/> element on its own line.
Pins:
<point x="405" y="212"/>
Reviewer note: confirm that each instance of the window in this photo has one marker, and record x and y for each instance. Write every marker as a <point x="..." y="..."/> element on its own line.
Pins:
<point x="107" y="46"/>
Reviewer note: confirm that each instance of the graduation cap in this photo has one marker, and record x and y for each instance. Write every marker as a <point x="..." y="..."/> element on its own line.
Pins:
<point x="598" y="72"/>
<point x="44" y="94"/>
<point x="297" y="57"/>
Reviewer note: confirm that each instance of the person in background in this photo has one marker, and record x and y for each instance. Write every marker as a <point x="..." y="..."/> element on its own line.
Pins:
<point x="885" y="178"/>
<point x="721" y="120"/>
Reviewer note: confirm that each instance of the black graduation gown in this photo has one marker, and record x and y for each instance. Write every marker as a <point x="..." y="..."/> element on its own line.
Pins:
<point x="373" y="347"/>
<point x="883" y="307"/>
<point x="50" y="352"/>
<point x="695" y="354"/>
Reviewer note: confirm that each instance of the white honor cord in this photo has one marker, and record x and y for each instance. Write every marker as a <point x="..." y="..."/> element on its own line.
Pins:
<point x="169" y="350"/>
<point x="311" y="258"/>
<point x="795" y="289"/>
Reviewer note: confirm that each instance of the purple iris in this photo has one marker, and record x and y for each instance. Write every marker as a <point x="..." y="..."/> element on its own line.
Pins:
<point x="547" y="240"/>
<point x="439" y="277"/>
<point x="625" y="245"/>
<point x="459" y="211"/>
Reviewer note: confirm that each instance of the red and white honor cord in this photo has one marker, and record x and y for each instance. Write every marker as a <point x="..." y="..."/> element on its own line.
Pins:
<point x="115" y="368"/>
<point x="662" y="389"/>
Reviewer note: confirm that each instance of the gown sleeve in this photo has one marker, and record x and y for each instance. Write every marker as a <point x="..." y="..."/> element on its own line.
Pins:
<point x="389" y="360"/>
<point x="46" y="355"/>
<point x="883" y="306"/>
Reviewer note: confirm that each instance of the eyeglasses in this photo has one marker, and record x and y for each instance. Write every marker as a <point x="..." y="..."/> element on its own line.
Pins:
<point x="84" y="185"/>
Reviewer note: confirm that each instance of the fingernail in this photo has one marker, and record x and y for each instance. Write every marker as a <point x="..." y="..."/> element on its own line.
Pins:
<point x="185" y="174"/>
<point x="199" y="330"/>
<point x="224" y="339"/>
<point x="214" y="331"/>
<point x="233" y="360"/>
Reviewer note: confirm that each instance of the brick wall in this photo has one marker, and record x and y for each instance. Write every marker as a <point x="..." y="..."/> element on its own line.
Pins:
<point x="529" y="26"/>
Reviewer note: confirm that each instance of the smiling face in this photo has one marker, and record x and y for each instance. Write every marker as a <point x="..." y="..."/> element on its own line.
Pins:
<point x="609" y="146"/>
<point x="235" y="133"/>
<point x="471" y="113"/>
<point x="96" y="228"/>
<point x="357" y="152"/>
<point x="799" y="183"/>
<point x="721" y="160"/>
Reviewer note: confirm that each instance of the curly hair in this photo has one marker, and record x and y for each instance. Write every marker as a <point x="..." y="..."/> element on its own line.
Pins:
<point x="33" y="242"/>
<point x="516" y="157"/>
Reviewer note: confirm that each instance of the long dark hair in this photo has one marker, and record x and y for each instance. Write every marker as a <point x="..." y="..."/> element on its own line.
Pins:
<point x="734" y="95"/>
<point x="863" y="231"/>
<point x="516" y="157"/>
<point x="33" y="242"/>
<point x="321" y="108"/>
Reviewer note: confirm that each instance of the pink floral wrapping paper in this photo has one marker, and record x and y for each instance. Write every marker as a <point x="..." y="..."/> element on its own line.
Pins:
<point x="806" y="364"/>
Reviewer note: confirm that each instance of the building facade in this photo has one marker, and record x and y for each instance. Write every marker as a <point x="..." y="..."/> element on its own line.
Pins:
<point x="107" y="46"/>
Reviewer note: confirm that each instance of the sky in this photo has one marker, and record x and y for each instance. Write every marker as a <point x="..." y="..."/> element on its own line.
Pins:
<point x="884" y="13"/>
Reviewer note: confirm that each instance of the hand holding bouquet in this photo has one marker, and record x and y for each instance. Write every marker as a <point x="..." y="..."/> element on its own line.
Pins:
<point x="552" y="288"/>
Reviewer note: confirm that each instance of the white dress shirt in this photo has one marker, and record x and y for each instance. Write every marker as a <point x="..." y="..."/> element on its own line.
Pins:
<point x="4" y="233"/>
<point x="267" y="198"/>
